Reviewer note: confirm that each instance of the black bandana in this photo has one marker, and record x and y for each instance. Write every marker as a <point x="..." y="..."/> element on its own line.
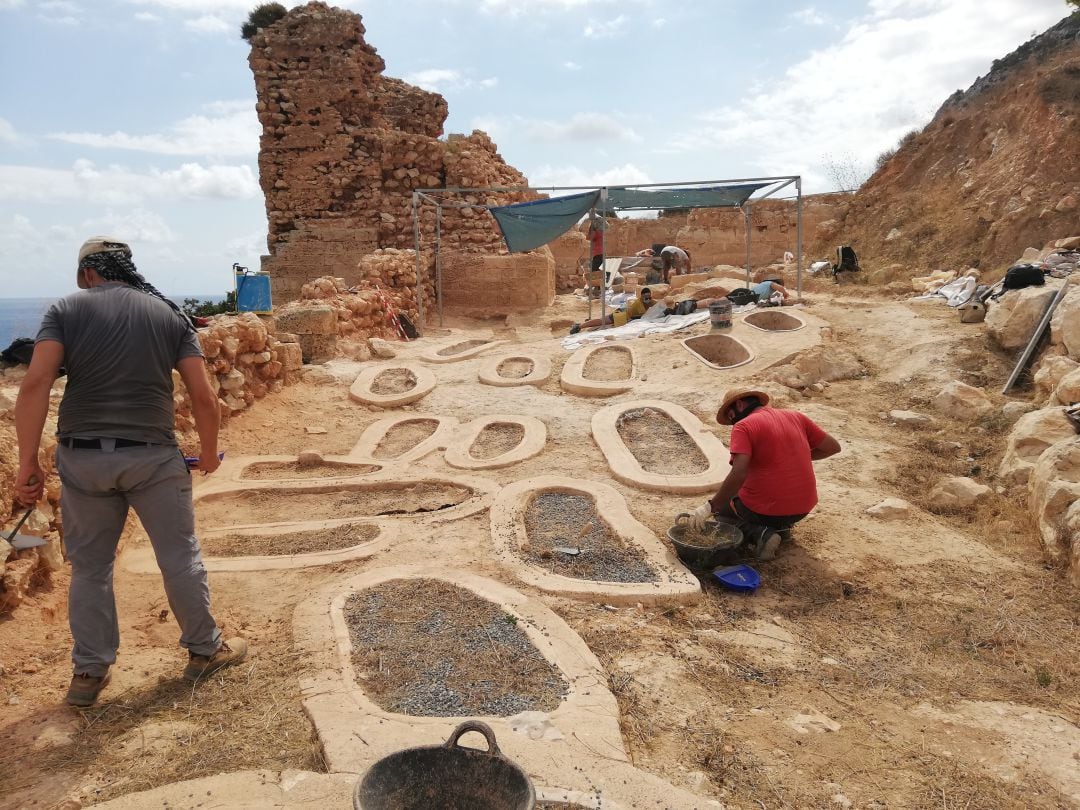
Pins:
<point x="115" y="265"/>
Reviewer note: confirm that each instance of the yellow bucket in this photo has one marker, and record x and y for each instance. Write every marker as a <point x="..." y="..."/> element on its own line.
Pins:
<point x="618" y="318"/>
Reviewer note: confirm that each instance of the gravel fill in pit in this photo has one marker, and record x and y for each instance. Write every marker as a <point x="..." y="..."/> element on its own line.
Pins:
<point x="458" y="348"/>
<point x="559" y="806"/>
<point x="496" y="439"/>
<point x="272" y="470"/>
<point x="720" y="350"/>
<point x="557" y="519"/>
<point x="431" y="649"/>
<point x="660" y="444"/>
<point x="393" y="381"/>
<point x="514" y="368"/>
<point x="609" y="364"/>
<point x="267" y="545"/>
<point x="404" y="436"/>
<point x="274" y="506"/>
<point x="774" y="321"/>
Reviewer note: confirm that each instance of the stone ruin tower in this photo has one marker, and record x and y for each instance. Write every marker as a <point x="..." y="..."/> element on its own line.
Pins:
<point x="341" y="151"/>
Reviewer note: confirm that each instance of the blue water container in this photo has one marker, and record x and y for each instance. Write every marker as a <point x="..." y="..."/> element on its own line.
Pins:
<point x="253" y="293"/>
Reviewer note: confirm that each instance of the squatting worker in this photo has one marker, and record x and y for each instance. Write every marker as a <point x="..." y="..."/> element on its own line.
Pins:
<point x="772" y="481"/>
<point x="120" y="339"/>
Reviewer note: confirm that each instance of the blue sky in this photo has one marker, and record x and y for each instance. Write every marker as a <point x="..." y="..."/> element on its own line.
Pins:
<point x="135" y="118"/>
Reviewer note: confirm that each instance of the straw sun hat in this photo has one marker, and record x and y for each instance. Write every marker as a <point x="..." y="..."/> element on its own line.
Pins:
<point x="736" y="394"/>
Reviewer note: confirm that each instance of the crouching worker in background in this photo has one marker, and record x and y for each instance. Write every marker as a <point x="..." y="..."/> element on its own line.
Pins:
<point x="771" y="486"/>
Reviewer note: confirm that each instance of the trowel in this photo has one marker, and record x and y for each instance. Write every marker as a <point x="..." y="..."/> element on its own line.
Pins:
<point x="20" y="542"/>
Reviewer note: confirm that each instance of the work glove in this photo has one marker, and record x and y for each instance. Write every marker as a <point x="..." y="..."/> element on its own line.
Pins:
<point x="699" y="517"/>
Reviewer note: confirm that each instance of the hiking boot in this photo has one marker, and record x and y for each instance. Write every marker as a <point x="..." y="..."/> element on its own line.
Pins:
<point x="84" y="689"/>
<point x="767" y="545"/>
<point x="202" y="666"/>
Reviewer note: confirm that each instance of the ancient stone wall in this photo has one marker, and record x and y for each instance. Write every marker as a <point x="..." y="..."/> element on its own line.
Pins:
<point x="483" y="285"/>
<point x="343" y="148"/>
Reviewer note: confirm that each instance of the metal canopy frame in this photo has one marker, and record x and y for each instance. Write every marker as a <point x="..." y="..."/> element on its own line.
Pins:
<point x="422" y="195"/>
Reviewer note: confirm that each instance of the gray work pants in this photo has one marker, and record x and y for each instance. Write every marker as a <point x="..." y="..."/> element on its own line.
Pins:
<point x="98" y="488"/>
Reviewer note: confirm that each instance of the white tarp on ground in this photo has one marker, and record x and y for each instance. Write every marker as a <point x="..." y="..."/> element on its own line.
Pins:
<point x="634" y="329"/>
<point x="955" y="292"/>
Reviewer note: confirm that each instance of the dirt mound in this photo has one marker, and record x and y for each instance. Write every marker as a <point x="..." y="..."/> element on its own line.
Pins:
<point x="997" y="170"/>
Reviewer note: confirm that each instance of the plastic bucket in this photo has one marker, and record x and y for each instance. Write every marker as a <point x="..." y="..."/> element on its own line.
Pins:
<point x="618" y="318"/>
<point x="720" y="314"/>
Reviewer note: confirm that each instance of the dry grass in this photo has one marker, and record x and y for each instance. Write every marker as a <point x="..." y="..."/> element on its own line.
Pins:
<point x="244" y="716"/>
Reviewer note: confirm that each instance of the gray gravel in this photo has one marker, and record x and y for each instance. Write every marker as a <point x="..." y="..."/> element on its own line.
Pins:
<point x="431" y="649"/>
<point x="555" y="519"/>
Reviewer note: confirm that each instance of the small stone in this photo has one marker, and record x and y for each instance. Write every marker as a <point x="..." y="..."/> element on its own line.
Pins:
<point x="956" y="492"/>
<point x="909" y="418"/>
<point x="890" y="509"/>
<point x="381" y="349"/>
<point x="315" y="430"/>
<point x="308" y="458"/>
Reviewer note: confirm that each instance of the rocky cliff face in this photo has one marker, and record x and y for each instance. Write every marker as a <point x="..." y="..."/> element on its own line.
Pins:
<point x="996" y="170"/>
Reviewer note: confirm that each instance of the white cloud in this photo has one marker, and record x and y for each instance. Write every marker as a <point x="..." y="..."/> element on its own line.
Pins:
<point x="138" y="224"/>
<point x="207" y="24"/>
<point x="659" y="22"/>
<point x="64" y="20"/>
<point x="582" y="127"/>
<point x="809" y="16"/>
<point x="116" y="185"/>
<point x="229" y="129"/>
<point x="8" y="133"/>
<point x="59" y="7"/>
<point x="627" y="174"/>
<point x="571" y="66"/>
<point x="886" y="76"/>
<point x="442" y="80"/>
<point x="203" y="6"/>
<point x="7" y="5"/>
<point x="147" y="16"/>
<point x="605" y="29"/>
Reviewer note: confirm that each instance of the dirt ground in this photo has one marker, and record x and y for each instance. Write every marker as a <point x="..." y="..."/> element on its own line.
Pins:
<point x="930" y="662"/>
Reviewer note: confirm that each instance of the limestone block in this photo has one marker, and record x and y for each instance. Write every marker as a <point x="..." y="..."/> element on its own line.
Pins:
<point x="233" y="381"/>
<point x="955" y="492"/>
<point x="318" y="348"/>
<point x="963" y="401"/>
<point x="1011" y="321"/>
<point x="1014" y="410"/>
<point x="291" y="356"/>
<point x="381" y="349"/>
<point x="52" y="559"/>
<point x="1065" y="324"/>
<point x="1052" y="368"/>
<point x="1033" y="434"/>
<point x="309" y="320"/>
<point x="891" y="509"/>
<point x="909" y="418"/>
<point x="16" y="581"/>
<point x="815" y="365"/>
<point x="1068" y="389"/>
<point x="1054" y="496"/>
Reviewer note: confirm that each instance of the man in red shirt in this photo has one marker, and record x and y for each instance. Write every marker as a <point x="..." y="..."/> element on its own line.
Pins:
<point x="771" y="483"/>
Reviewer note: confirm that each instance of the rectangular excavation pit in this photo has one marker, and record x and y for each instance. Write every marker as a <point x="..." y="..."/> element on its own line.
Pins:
<point x="609" y="364"/>
<point x="458" y="348"/>
<point x="774" y="321"/>
<point x="569" y="520"/>
<point x="496" y="439"/>
<point x="284" y="505"/>
<point x="404" y="436"/>
<point x="276" y="470"/>
<point x="393" y="381"/>
<point x="660" y="444"/>
<point x="514" y="368"/>
<point x="719" y="351"/>
<point x="288" y="543"/>
<point x="428" y="648"/>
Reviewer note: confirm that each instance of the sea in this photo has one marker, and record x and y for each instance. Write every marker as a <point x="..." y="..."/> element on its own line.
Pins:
<point x="21" y="317"/>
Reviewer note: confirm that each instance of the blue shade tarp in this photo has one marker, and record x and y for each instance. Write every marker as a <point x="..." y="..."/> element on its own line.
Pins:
<point x="626" y="199"/>
<point x="529" y="225"/>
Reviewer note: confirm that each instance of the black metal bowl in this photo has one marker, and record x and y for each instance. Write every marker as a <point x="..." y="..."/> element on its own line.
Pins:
<point x="447" y="777"/>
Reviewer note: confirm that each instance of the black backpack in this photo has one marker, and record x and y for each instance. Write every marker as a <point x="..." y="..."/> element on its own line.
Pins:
<point x="1023" y="275"/>
<point x="741" y="296"/>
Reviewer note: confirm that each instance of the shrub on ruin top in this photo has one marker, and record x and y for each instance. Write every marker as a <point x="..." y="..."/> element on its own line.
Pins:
<point x="260" y="17"/>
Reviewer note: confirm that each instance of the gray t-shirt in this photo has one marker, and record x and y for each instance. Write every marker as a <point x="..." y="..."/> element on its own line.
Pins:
<point x="120" y="347"/>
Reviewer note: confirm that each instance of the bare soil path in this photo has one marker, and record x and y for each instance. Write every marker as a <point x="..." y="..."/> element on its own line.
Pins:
<point x="926" y="662"/>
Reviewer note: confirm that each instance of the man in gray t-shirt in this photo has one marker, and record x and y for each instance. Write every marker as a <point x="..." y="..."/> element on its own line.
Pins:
<point x="120" y="339"/>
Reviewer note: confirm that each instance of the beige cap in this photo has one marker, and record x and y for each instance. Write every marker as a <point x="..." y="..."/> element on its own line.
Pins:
<point x="737" y="394"/>
<point x="102" y="244"/>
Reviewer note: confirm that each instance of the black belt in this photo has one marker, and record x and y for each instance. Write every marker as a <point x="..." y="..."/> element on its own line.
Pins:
<point x="95" y="444"/>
